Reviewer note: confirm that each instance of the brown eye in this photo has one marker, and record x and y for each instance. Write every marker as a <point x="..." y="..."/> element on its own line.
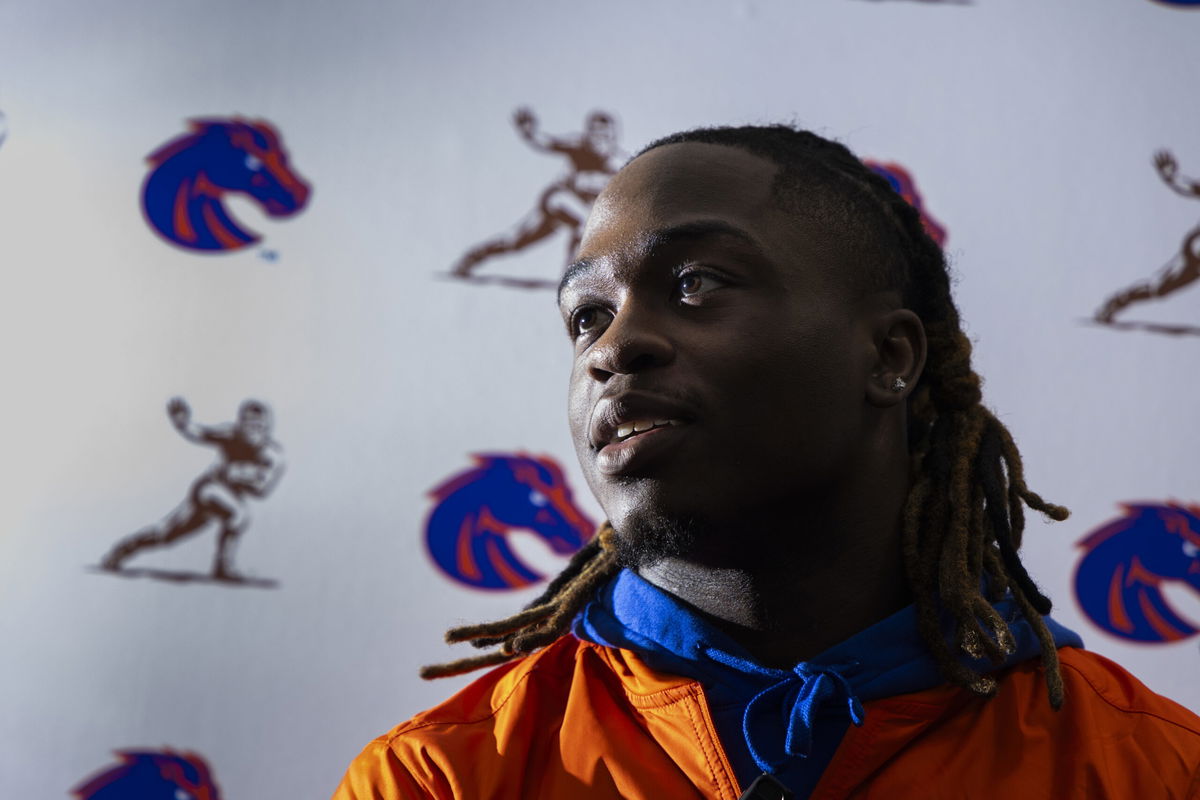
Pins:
<point x="586" y="320"/>
<point x="694" y="283"/>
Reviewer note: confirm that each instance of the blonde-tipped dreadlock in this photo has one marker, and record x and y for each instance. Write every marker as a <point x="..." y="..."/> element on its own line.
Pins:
<point x="964" y="517"/>
<point x="543" y="620"/>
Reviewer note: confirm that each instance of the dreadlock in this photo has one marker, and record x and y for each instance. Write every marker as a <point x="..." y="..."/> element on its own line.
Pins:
<point x="964" y="517"/>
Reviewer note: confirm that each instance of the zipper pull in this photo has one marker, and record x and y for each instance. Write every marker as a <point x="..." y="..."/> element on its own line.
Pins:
<point x="767" y="787"/>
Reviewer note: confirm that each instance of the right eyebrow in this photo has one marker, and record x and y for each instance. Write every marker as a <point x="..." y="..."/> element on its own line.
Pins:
<point x="573" y="272"/>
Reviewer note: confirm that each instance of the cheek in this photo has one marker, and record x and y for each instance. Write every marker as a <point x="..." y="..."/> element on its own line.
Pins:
<point x="806" y="395"/>
<point x="578" y="410"/>
<point x="809" y="366"/>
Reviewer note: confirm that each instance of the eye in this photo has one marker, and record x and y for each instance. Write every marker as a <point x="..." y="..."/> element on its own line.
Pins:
<point x="691" y="284"/>
<point x="1190" y="549"/>
<point x="253" y="162"/>
<point x="587" y="320"/>
<point x="537" y="498"/>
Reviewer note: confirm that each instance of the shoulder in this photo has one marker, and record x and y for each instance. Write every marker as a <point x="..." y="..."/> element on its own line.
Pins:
<point x="539" y="685"/>
<point x="561" y="705"/>
<point x="424" y="756"/>
<point x="1113" y="732"/>
<point x="1113" y="737"/>
<point x="1100" y="688"/>
<point x="541" y="678"/>
<point x="1104" y="707"/>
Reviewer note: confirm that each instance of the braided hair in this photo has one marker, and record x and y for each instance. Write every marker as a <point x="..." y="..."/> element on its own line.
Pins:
<point x="964" y="516"/>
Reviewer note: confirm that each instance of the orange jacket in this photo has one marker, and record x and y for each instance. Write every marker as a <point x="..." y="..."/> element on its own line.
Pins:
<point x="583" y="721"/>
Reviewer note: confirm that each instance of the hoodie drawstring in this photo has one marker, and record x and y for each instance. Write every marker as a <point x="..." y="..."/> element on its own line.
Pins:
<point x="798" y="694"/>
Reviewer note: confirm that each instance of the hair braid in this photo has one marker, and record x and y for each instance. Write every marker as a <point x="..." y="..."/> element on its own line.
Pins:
<point x="544" y="620"/>
<point x="976" y="519"/>
<point x="963" y="520"/>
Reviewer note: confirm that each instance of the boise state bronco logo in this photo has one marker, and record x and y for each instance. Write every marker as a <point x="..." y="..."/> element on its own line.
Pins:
<point x="1118" y="581"/>
<point x="190" y="176"/>
<point x="475" y="510"/>
<point x="906" y="187"/>
<point x="151" y="775"/>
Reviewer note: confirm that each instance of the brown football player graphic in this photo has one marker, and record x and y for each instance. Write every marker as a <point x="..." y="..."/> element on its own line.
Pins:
<point x="592" y="158"/>
<point x="1180" y="271"/>
<point x="249" y="464"/>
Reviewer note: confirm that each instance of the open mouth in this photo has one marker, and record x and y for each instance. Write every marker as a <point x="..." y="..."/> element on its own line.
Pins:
<point x="631" y="427"/>
<point x="628" y="430"/>
<point x="639" y="446"/>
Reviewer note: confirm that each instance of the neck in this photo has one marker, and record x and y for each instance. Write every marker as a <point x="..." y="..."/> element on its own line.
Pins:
<point x="789" y="584"/>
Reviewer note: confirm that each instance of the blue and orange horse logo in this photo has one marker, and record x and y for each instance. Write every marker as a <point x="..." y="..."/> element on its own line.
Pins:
<point x="906" y="187"/>
<point x="476" y="509"/>
<point x="189" y="177"/>
<point x="151" y="775"/>
<point x="1118" y="582"/>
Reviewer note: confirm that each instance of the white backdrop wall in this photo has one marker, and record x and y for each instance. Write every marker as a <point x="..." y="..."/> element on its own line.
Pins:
<point x="1029" y="127"/>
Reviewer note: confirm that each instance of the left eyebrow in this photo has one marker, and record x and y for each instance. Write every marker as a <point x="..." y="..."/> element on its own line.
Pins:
<point x="686" y="232"/>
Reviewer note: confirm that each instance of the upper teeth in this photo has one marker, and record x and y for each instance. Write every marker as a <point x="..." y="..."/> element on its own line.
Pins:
<point x="638" y="426"/>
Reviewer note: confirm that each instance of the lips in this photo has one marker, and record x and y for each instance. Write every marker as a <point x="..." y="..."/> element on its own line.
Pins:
<point x="630" y="429"/>
<point x="611" y="414"/>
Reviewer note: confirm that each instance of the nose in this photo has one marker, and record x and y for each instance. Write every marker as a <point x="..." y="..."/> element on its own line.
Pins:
<point x="635" y="341"/>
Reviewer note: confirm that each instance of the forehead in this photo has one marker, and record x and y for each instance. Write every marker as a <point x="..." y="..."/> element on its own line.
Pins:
<point x="679" y="183"/>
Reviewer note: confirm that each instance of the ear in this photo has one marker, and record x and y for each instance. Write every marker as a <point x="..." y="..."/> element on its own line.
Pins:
<point x="899" y="350"/>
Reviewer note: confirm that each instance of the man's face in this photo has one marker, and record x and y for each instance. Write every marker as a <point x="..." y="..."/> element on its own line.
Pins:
<point x="701" y="308"/>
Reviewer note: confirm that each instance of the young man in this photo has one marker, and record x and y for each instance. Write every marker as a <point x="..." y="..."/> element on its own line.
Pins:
<point x="809" y="585"/>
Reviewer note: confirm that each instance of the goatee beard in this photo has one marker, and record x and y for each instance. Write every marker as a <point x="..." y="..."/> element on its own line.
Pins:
<point x="647" y="539"/>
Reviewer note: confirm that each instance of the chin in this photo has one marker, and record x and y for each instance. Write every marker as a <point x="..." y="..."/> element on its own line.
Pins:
<point x="646" y="534"/>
